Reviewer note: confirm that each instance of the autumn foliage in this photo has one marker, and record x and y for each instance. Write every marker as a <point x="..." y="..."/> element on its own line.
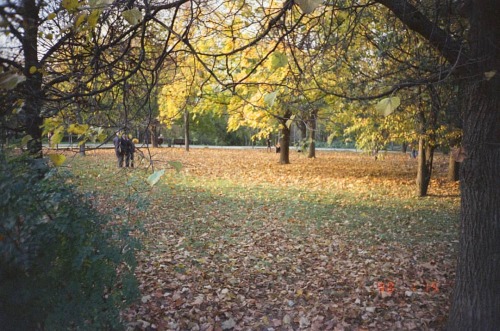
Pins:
<point x="236" y="241"/>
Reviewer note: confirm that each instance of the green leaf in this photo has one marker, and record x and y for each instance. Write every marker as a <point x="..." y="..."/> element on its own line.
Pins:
<point x="70" y="5"/>
<point x="278" y="60"/>
<point x="490" y="74"/>
<point x="155" y="177"/>
<point x="388" y="105"/>
<point x="80" y="19"/>
<point x="93" y="17"/>
<point x="25" y="140"/>
<point x="270" y="98"/>
<point x="10" y="79"/>
<point x="176" y="165"/>
<point x="290" y="121"/>
<point x="132" y="16"/>
<point x="308" y="6"/>
<point x="57" y="159"/>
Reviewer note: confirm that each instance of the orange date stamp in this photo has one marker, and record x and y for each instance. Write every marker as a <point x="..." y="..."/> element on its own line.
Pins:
<point x="390" y="287"/>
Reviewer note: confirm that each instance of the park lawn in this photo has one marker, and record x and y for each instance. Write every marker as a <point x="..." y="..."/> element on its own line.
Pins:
<point x="236" y="241"/>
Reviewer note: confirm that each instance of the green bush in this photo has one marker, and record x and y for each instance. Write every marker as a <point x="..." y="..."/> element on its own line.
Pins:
<point x="62" y="265"/>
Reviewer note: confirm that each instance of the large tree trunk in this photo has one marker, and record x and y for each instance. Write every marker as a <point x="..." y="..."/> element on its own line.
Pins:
<point x="476" y="300"/>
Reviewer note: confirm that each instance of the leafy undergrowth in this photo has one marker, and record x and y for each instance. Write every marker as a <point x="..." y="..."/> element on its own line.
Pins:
<point x="236" y="241"/>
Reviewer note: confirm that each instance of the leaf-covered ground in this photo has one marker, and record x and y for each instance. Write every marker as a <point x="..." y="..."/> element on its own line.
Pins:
<point x="236" y="241"/>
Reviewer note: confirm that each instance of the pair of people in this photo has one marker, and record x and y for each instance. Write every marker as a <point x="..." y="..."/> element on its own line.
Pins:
<point x="124" y="150"/>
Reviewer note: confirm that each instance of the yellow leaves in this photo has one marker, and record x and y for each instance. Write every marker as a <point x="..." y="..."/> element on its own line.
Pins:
<point x="228" y="46"/>
<point x="57" y="137"/>
<point x="78" y="129"/>
<point x="57" y="159"/>
<point x="33" y="70"/>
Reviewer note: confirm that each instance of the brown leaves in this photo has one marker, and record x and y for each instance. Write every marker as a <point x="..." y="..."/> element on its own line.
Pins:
<point x="239" y="242"/>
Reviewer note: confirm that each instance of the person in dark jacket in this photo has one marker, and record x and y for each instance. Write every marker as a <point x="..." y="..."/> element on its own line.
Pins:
<point x="124" y="151"/>
<point x="131" y="150"/>
<point x="116" y="143"/>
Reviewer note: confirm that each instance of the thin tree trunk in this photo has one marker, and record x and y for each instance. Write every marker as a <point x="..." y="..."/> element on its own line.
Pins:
<point x="312" y="134"/>
<point x="453" y="169"/>
<point x="153" y="136"/>
<point x="424" y="169"/>
<point x="285" y="145"/>
<point x="186" y="130"/>
<point x="303" y="130"/>
<point x="284" y="140"/>
<point x="404" y="148"/>
<point x="33" y="95"/>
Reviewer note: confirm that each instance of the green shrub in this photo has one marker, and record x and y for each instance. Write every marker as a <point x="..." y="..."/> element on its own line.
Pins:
<point x="62" y="265"/>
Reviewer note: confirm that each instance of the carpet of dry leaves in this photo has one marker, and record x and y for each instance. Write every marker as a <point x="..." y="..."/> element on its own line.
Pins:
<point x="236" y="241"/>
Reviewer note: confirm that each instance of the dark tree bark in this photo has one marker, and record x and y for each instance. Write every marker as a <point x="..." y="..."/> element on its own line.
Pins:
<point x="476" y="297"/>
<point x="424" y="169"/>
<point x="153" y="135"/>
<point x="312" y="134"/>
<point x="476" y="302"/>
<point x="31" y="119"/>
<point x="285" y="145"/>
<point x="284" y="140"/>
<point x="301" y="125"/>
<point x="426" y="142"/>
<point x="186" y="130"/>
<point x="453" y="169"/>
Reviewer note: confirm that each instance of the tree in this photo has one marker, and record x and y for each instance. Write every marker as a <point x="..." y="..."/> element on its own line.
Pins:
<point x="475" y="61"/>
<point x="473" y="65"/>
